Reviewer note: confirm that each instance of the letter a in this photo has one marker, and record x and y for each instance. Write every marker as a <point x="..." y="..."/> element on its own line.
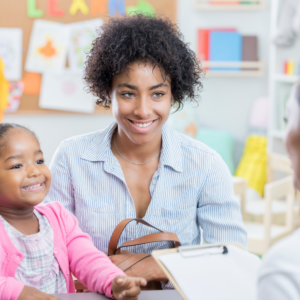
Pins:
<point x="79" y="5"/>
<point x="116" y="5"/>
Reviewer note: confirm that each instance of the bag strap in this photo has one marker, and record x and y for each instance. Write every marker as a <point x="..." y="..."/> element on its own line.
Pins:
<point x="131" y="261"/>
<point x="151" y="238"/>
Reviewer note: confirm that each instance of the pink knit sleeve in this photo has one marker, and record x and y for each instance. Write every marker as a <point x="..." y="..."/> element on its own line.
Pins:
<point x="89" y="265"/>
<point x="10" y="289"/>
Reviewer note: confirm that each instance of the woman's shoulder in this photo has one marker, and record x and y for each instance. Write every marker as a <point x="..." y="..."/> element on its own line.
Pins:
<point x="81" y="143"/>
<point x="188" y="143"/>
<point x="283" y="257"/>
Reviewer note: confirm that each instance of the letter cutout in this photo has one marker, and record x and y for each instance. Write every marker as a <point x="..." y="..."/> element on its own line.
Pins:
<point x="98" y="6"/>
<point x="116" y="5"/>
<point x="79" y="5"/>
<point x="32" y="11"/>
<point x="52" y="10"/>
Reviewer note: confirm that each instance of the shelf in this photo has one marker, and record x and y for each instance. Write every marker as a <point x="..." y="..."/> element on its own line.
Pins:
<point x="207" y="5"/>
<point x="286" y="78"/>
<point x="256" y="66"/>
<point x="278" y="134"/>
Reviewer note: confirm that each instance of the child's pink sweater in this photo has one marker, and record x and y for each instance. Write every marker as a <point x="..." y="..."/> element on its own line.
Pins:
<point x="73" y="249"/>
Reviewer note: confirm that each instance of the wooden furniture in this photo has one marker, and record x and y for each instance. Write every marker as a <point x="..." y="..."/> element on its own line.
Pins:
<point x="255" y="209"/>
<point x="256" y="66"/>
<point x="236" y="5"/>
<point x="240" y="188"/>
<point x="280" y="84"/>
<point x="262" y="235"/>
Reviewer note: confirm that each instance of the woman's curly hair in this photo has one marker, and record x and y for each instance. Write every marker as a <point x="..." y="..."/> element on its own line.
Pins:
<point x="158" y="41"/>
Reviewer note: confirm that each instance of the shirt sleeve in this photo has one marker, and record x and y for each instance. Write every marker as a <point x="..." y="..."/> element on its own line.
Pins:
<point x="10" y="289"/>
<point x="218" y="211"/>
<point x="89" y="265"/>
<point x="61" y="189"/>
<point x="278" y="286"/>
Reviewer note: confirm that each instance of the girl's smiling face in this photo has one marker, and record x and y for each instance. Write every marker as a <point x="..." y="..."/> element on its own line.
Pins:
<point x="24" y="178"/>
<point x="141" y="101"/>
<point x="292" y="140"/>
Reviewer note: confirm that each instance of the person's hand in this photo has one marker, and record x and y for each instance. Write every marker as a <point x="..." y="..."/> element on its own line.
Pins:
<point x="127" y="288"/>
<point x="148" y="269"/>
<point x="30" y="293"/>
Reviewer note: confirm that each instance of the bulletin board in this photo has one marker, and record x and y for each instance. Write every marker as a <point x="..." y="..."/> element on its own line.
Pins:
<point x="13" y="14"/>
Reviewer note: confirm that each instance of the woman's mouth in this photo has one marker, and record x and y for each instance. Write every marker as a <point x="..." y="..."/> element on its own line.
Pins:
<point x="33" y="188"/>
<point x="141" y="126"/>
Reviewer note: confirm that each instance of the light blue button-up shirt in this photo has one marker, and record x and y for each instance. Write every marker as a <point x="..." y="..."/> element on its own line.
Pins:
<point x="191" y="188"/>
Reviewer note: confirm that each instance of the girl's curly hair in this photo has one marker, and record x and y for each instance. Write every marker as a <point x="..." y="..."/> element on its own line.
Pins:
<point x="158" y="41"/>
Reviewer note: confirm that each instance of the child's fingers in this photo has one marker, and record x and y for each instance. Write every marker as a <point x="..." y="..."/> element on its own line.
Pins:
<point x="130" y="294"/>
<point x="137" y="281"/>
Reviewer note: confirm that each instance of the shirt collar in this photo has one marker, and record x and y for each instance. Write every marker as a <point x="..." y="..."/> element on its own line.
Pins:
<point x="171" y="154"/>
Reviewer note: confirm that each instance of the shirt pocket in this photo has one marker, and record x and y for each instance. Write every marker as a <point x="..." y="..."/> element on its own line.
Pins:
<point x="179" y="221"/>
<point x="99" y="204"/>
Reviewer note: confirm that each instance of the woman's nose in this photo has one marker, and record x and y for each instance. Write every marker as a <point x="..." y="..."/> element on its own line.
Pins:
<point x="143" y="108"/>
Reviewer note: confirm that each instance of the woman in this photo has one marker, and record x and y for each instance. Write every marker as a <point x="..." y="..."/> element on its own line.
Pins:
<point x="279" y="276"/>
<point x="138" y="167"/>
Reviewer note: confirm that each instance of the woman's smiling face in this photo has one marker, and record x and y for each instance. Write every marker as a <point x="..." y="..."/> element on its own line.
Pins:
<point x="141" y="101"/>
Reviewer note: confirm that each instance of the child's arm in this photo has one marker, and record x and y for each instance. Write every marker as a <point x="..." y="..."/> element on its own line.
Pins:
<point x="30" y="293"/>
<point x="11" y="289"/>
<point x="89" y="265"/>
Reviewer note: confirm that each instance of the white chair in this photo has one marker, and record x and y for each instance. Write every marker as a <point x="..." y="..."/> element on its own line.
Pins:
<point x="262" y="235"/>
<point x="254" y="210"/>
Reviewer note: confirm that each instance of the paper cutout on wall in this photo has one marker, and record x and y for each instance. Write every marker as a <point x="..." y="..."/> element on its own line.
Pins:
<point x="53" y="10"/>
<point x="98" y="7"/>
<point x="4" y="90"/>
<point x="81" y="35"/>
<point x="47" y="48"/>
<point x="32" y="83"/>
<point x="115" y="6"/>
<point x="11" y="52"/>
<point x="65" y="92"/>
<point x="78" y="5"/>
<point x="32" y="11"/>
<point x="14" y="97"/>
<point x="142" y="7"/>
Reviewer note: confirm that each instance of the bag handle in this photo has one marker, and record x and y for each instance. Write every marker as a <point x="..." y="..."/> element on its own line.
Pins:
<point x="150" y="238"/>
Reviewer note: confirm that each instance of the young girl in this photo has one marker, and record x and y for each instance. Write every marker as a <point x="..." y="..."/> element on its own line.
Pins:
<point x="41" y="246"/>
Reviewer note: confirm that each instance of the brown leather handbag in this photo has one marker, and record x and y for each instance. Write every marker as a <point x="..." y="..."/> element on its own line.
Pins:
<point x="125" y="260"/>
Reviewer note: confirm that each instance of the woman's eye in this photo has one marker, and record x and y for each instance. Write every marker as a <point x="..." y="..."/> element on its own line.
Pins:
<point x="158" y="95"/>
<point x="39" y="162"/>
<point x="16" y="167"/>
<point x="128" y="95"/>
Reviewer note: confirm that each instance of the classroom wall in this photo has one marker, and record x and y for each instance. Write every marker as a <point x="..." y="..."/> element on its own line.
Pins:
<point x="225" y="102"/>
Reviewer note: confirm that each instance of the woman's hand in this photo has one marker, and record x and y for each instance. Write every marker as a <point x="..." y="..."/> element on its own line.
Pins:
<point x="126" y="288"/>
<point x="148" y="269"/>
<point x="30" y="293"/>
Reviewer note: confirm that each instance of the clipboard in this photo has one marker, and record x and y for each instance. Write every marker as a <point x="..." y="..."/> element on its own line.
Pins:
<point x="189" y="251"/>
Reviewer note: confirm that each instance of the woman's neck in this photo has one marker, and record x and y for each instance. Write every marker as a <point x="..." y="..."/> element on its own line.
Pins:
<point x="134" y="152"/>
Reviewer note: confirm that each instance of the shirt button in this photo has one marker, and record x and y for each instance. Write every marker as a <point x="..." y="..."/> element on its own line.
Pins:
<point x="68" y="273"/>
<point x="154" y="181"/>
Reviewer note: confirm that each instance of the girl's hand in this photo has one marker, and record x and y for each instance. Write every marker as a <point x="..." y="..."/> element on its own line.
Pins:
<point x="126" y="288"/>
<point x="30" y="293"/>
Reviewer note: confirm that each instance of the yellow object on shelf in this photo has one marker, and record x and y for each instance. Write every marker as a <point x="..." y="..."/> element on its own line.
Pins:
<point x="4" y="90"/>
<point x="253" y="165"/>
<point x="290" y="67"/>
